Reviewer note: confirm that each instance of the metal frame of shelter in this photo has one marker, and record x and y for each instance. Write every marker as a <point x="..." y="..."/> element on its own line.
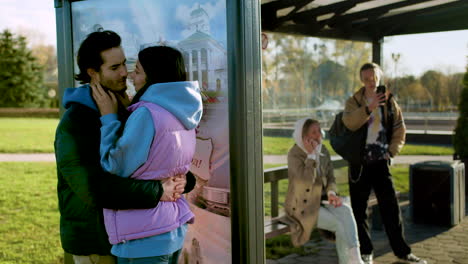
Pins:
<point x="362" y="20"/>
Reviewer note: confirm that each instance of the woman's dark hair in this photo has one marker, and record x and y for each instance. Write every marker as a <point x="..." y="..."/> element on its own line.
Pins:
<point x="307" y="124"/>
<point x="89" y="53"/>
<point x="161" y="64"/>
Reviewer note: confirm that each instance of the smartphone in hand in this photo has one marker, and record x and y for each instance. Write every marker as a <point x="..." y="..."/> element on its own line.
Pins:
<point x="381" y="89"/>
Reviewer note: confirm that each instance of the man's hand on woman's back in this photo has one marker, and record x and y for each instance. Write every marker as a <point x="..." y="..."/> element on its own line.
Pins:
<point x="173" y="188"/>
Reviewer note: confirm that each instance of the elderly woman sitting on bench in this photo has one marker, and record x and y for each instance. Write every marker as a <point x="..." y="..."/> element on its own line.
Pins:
<point x="310" y="173"/>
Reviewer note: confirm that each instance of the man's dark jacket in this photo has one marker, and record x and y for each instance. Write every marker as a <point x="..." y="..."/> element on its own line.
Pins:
<point x="83" y="188"/>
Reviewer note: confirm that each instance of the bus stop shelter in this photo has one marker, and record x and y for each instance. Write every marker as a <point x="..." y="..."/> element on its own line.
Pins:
<point x="239" y="78"/>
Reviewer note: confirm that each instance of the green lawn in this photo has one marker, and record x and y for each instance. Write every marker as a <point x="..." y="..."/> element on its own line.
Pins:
<point x="29" y="217"/>
<point x="27" y="135"/>
<point x="282" y="246"/>
<point x="281" y="146"/>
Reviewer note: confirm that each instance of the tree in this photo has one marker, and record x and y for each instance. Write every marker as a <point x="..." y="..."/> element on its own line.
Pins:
<point x="270" y="71"/>
<point x="287" y="71"/>
<point x="412" y="95"/>
<point x="47" y="58"/>
<point x="434" y="82"/>
<point x="333" y="79"/>
<point x="21" y="76"/>
<point x="455" y="86"/>
<point x="352" y="54"/>
<point x="295" y="67"/>
<point x="460" y="139"/>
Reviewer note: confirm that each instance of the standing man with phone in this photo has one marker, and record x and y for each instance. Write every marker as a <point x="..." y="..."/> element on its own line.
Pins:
<point x="374" y="107"/>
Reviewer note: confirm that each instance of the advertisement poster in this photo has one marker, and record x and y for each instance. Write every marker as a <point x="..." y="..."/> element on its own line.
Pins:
<point x="198" y="29"/>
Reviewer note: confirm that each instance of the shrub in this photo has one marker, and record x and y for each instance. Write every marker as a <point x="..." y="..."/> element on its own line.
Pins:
<point x="460" y="140"/>
<point x="29" y="112"/>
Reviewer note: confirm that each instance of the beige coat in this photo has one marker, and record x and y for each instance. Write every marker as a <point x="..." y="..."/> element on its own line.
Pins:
<point x="304" y="191"/>
<point x="354" y="117"/>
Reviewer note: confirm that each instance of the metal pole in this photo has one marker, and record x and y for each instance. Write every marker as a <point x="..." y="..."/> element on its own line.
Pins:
<point x="377" y="51"/>
<point x="64" y="48"/>
<point x="245" y="123"/>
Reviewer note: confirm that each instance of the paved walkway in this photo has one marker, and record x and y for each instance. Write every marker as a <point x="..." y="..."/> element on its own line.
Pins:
<point x="41" y="157"/>
<point x="436" y="244"/>
<point x="268" y="159"/>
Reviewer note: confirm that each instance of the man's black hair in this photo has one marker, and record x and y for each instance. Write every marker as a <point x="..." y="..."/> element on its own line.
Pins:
<point x="89" y="53"/>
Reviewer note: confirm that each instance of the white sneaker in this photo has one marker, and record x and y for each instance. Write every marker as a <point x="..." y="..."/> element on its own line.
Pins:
<point x="412" y="259"/>
<point x="367" y="259"/>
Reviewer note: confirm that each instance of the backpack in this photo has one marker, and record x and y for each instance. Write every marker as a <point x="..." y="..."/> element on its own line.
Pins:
<point x="346" y="143"/>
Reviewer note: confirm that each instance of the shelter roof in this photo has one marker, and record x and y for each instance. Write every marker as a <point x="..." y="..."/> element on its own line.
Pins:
<point x="364" y="20"/>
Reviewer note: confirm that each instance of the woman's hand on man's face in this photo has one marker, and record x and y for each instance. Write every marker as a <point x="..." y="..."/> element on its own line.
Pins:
<point x="105" y="100"/>
<point x="123" y="98"/>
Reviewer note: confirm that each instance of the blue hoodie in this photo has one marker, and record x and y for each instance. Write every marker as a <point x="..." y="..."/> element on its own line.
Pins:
<point x="123" y="156"/>
<point x="81" y="95"/>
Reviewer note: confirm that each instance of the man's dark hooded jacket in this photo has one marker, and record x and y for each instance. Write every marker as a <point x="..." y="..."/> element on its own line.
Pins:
<point x="83" y="187"/>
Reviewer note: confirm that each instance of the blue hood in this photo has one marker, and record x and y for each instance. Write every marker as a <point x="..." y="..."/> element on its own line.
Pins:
<point x="81" y="95"/>
<point x="182" y="99"/>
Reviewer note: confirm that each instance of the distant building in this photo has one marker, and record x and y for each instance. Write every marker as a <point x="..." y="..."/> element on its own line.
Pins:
<point x="205" y="57"/>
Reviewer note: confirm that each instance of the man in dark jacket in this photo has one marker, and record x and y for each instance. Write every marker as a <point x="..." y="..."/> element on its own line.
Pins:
<point x="84" y="189"/>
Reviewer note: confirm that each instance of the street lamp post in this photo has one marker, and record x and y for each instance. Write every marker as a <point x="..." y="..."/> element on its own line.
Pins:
<point x="395" y="57"/>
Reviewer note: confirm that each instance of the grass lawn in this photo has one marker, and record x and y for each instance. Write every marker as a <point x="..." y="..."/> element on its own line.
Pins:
<point x="281" y="246"/>
<point x="29" y="217"/>
<point x="27" y="135"/>
<point x="281" y="146"/>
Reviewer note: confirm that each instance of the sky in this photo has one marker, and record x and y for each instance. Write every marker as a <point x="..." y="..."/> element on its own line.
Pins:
<point x="445" y="51"/>
<point x="146" y="22"/>
<point x="30" y="15"/>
